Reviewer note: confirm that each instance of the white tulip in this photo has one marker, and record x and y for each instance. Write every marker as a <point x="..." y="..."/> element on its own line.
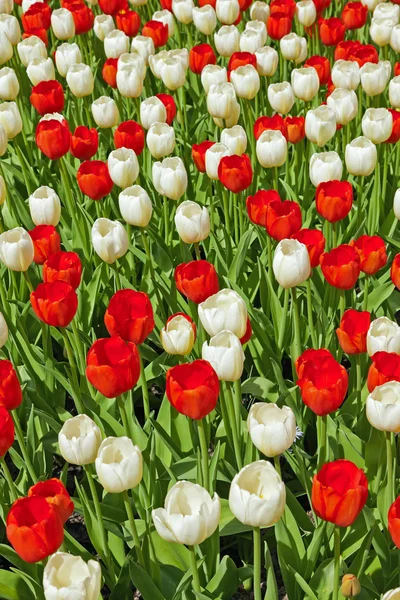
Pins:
<point x="119" y="465"/>
<point x="267" y="61"/>
<point x="116" y="43"/>
<point x="377" y="124"/>
<point x="392" y="594"/>
<point x="156" y="61"/>
<point x="192" y="222"/>
<point x="10" y="119"/>
<point x="189" y="516"/>
<point x="383" y="336"/>
<point x="271" y="149"/>
<point x="129" y="82"/>
<point x="79" y="440"/>
<point x="182" y="54"/>
<point x="170" y="177"/>
<point x="380" y="30"/>
<point x="212" y="159"/>
<point x="395" y="37"/>
<point x="233" y="116"/>
<point x="205" y="19"/>
<point x="160" y="140"/>
<point x="213" y="75"/>
<point x="382" y="407"/>
<point x="183" y="10"/>
<point x="152" y="110"/>
<point x="220" y="100"/>
<point x="325" y="166"/>
<point x="110" y="240"/>
<point x="394" y="92"/>
<point x="291" y="264"/>
<point x="306" y="12"/>
<point x="67" y="55"/>
<point x="281" y="97"/>
<point x="3" y="145"/>
<point x="272" y="429"/>
<point x="105" y="112"/>
<point x="227" y="40"/>
<point x="132" y="59"/>
<point x="9" y="84"/>
<point x="305" y="83"/>
<point x="69" y="577"/>
<point x="144" y="46"/>
<point x="102" y="26"/>
<point x="320" y="125"/>
<point x="235" y="139"/>
<point x="167" y="18"/>
<point x="227" y="11"/>
<point x="123" y="167"/>
<point x="6" y="49"/>
<point x="62" y="24"/>
<point x="291" y="48"/>
<point x="250" y="40"/>
<point x="224" y="310"/>
<point x="344" y="104"/>
<point x="246" y="81"/>
<point x="6" y="6"/>
<point x="178" y="335"/>
<point x="346" y="74"/>
<point x="16" y="249"/>
<point x="387" y="10"/>
<point x="225" y="354"/>
<point x="40" y="69"/>
<point x="173" y="73"/>
<point x="3" y="331"/>
<point x="374" y="78"/>
<point x="396" y="204"/>
<point x="259" y="11"/>
<point x="30" y="48"/>
<point x="9" y="25"/>
<point x="360" y="156"/>
<point x="135" y="206"/>
<point x="80" y="80"/>
<point x="45" y="206"/>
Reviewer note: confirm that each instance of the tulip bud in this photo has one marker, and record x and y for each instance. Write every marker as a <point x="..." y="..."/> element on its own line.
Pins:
<point x="305" y="83"/>
<point x="213" y="75"/>
<point x="10" y="118"/>
<point x="325" y="166"/>
<point x="183" y="10"/>
<point x="67" y="55"/>
<point x="80" y="80"/>
<point x="102" y="26"/>
<point x="257" y="496"/>
<point x="16" y="249"/>
<point x="79" y="440"/>
<point x="281" y="97"/>
<point x="144" y="46"/>
<point x="377" y="124"/>
<point x="170" y="178"/>
<point x="110" y="240"/>
<point x="116" y="43"/>
<point x="246" y="81"/>
<point x="306" y="12"/>
<point x="382" y="407"/>
<point x="259" y="11"/>
<point x="160" y="140"/>
<point x="344" y="104"/>
<point x="227" y="40"/>
<point x="192" y="222"/>
<point x="220" y="100"/>
<point x="45" y="206"/>
<point x="40" y="69"/>
<point x="119" y="465"/>
<point x="374" y="78"/>
<point x="291" y="264"/>
<point x="173" y="73"/>
<point x="30" y="48"/>
<point x="152" y="110"/>
<point x="9" y="84"/>
<point x="272" y="429"/>
<point x="123" y="167"/>
<point x="224" y="310"/>
<point x="383" y="336"/>
<point x="380" y="30"/>
<point x="135" y="206"/>
<point x="346" y="74"/>
<point x="350" y="586"/>
<point x="190" y="515"/>
<point x="205" y="19"/>
<point x="227" y="11"/>
<point x="129" y="82"/>
<point x="291" y="48"/>
<point x="9" y="26"/>
<point x="62" y="24"/>
<point x="360" y="156"/>
<point x="320" y="125"/>
<point x="105" y="112"/>
<point x="271" y="149"/>
<point x="178" y="335"/>
<point x="67" y="576"/>
<point x="235" y="139"/>
<point x="267" y="61"/>
<point x="213" y="156"/>
<point x="225" y="354"/>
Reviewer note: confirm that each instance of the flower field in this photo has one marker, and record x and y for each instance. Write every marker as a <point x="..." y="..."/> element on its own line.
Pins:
<point x="199" y="275"/>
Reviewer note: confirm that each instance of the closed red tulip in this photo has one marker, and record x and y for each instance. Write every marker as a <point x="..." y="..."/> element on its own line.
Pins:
<point x="372" y="253"/>
<point x="84" y="142"/>
<point x="199" y="154"/>
<point x="353" y="329"/>
<point x="341" y="266"/>
<point x="63" y="266"/>
<point x="295" y="129"/>
<point x="56" y="495"/>
<point x="323" y="384"/>
<point x="197" y="280"/>
<point x="275" y="123"/>
<point x="345" y="48"/>
<point x="34" y="529"/>
<point x="364" y="53"/>
<point x="46" y="241"/>
<point x="354" y="15"/>
<point x="331" y="31"/>
<point x="129" y="134"/>
<point x="157" y="31"/>
<point x="47" y="97"/>
<point x="55" y="303"/>
<point x="396" y="69"/>
<point x="257" y="205"/>
<point x="39" y="32"/>
<point x="385" y="367"/>
<point x="235" y="172"/>
<point x="288" y="7"/>
<point x="130" y="316"/>
<point x="200" y="56"/>
<point x="321" y="5"/>
<point x="53" y="138"/>
<point x="278" y="25"/>
<point x="314" y="240"/>
<point x="193" y="388"/>
<point x="113" y="366"/>
<point x="109" y="72"/>
<point x="283" y="219"/>
<point x="6" y="431"/>
<point x="394" y="522"/>
<point x="94" y="179"/>
<point x="395" y="135"/>
<point x="170" y="106"/>
<point x="334" y="200"/>
<point x="166" y="5"/>
<point x="339" y="492"/>
<point x="322" y="65"/>
<point x="83" y="17"/>
<point x="395" y="271"/>
<point x="112" y="7"/>
<point x="128" y="21"/>
<point x="241" y="59"/>
<point x="38" y="16"/>
<point x="312" y="356"/>
<point x="10" y="387"/>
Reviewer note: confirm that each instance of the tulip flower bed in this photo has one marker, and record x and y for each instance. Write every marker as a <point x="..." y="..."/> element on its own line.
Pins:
<point x="199" y="275"/>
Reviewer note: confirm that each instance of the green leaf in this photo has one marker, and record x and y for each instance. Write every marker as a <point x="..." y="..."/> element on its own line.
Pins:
<point x="225" y="581"/>
<point x="13" y="587"/>
<point x="144" y="583"/>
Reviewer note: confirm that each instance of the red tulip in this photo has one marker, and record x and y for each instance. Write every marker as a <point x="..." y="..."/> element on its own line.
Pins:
<point x="130" y="316"/>
<point x="315" y="242"/>
<point x="372" y="253"/>
<point x="34" y="529"/>
<point x="197" y="280"/>
<point x="352" y="332"/>
<point x="201" y="56"/>
<point x="395" y="135"/>
<point x="283" y="219"/>
<point x="47" y="97"/>
<point x="55" y="303"/>
<point x="38" y="16"/>
<point x="385" y="367"/>
<point x="94" y="179"/>
<point x="199" y="154"/>
<point x="312" y="356"/>
<point x="128" y="21"/>
<point x="354" y="15"/>
<point x="396" y="69"/>
<point x="323" y="384"/>
<point x="344" y="49"/>
<point x="39" y="32"/>
<point x="334" y="200"/>
<point x="170" y="106"/>
<point x="364" y="53"/>
<point x="157" y="31"/>
<point x="395" y="271"/>
<point x="53" y="137"/>
<point x="166" y="5"/>
<point x="235" y="172"/>
<point x="113" y="366"/>
<point x="331" y="31"/>
<point x="322" y="65"/>
<point x="56" y="495"/>
<point x="394" y="522"/>
<point x="10" y="387"/>
<point x="339" y="492"/>
<point x="341" y="266"/>
<point x="257" y="205"/>
<point x="46" y="241"/>
<point x="247" y="334"/>
<point x="63" y="266"/>
<point x="84" y="142"/>
<point x="193" y="388"/>
<point x="321" y="5"/>
<point x="295" y="129"/>
<point x="288" y="7"/>
<point x="83" y="17"/>
<point x="109" y="72"/>
<point x="276" y="123"/>
<point x="278" y="25"/>
<point x="241" y="59"/>
<point x="129" y="134"/>
<point x="6" y="431"/>
<point x="112" y="7"/>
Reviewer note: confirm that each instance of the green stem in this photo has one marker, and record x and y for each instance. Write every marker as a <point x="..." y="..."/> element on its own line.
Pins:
<point x="296" y="318"/>
<point x="277" y="465"/>
<point x="75" y="383"/>
<point x="310" y="314"/>
<point x="342" y="303"/>
<point x="195" y="573"/>
<point x="204" y="454"/>
<point x="166" y="219"/>
<point x="124" y="416"/>
<point x="21" y="442"/>
<point x="336" y="563"/>
<point x="322" y="440"/>
<point x="133" y="530"/>
<point x="366" y="291"/>
<point x="284" y="319"/>
<point x="79" y="347"/>
<point x="257" y="563"/>
<point x="152" y="273"/>
<point x="359" y="382"/>
<point x="359" y="201"/>
<point x="10" y="482"/>
<point x="231" y="425"/>
<point x="236" y="423"/>
<point x="71" y="205"/>
<point x="197" y="251"/>
<point x="145" y="390"/>
<point x="389" y="464"/>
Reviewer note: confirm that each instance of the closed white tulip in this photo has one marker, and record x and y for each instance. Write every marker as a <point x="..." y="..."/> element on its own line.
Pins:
<point x="119" y="465"/>
<point x="291" y="48"/>
<point x="135" y="206"/>
<point x="144" y="46"/>
<point x="110" y="240"/>
<point x="271" y="149"/>
<point x="45" y="206"/>
<point x="152" y="110"/>
<point x="259" y="28"/>
<point x="67" y="55"/>
<point x="79" y="440"/>
<point x="116" y="43"/>
<point x="360" y="156"/>
<point x="62" y="24"/>
<point x="105" y="112"/>
<point x="382" y="407"/>
<point x="10" y="119"/>
<point x="129" y="82"/>
<point x="212" y="158"/>
<point x="257" y="496"/>
<point x="16" y="249"/>
<point x="170" y="177"/>
<point x="259" y="11"/>
<point x="374" y="78"/>
<point x="235" y="139"/>
<point x="320" y="125"/>
<point x="69" y="577"/>
<point x="380" y="30"/>
<point x="267" y="61"/>
<point x="192" y="222"/>
<point x="306" y="12"/>
<point x="291" y="264"/>
<point x="189" y="516"/>
<point x="183" y="10"/>
<point x="325" y="166"/>
<point x="225" y="354"/>
<point x="227" y="40"/>
<point x="305" y="83"/>
<point x="178" y="335"/>
<point x="205" y="19"/>
<point x="40" y="69"/>
<point x="182" y="54"/>
<point x="156" y="61"/>
<point x="167" y="18"/>
<point x="377" y="124"/>
<point x="394" y="92"/>
<point x="246" y="81"/>
<point x="346" y="74"/>
<point x="224" y="310"/>
<point x="281" y="97"/>
<point x="344" y="104"/>
<point x="220" y="100"/>
<point x="3" y="331"/>
<point x="233" y="116"/>
<point x="250" y="40"/>
<point x="387" y="10"/>
<point x="213" y="75"/>
<point x="6" y="49"/>
<point x="392" y="594"/>
<point x="272" y="429"/>
<point x="160" y="140"/>
<point x="173" y="73"/>
<point x="30" y="48"/>
<point x="9" y="25"/>
<point x="123" y="167"/>
<point x="102" y="26"/>
<point x="6" y="6"/>
<point x="383" y="336"/>
<point x="9" y="84"/>
<point x="132" y="59"/>
<point x="227" y="11"/>
<point x="80" y="80"/>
